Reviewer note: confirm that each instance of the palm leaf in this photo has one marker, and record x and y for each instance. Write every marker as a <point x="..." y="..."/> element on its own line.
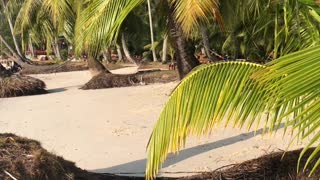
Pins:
<point x="101" y="21"/>
<point x="210" y="95"/>
<point x="300" y="79"/>
<point x="189" y="13"/>
<point x="287" y="89"/>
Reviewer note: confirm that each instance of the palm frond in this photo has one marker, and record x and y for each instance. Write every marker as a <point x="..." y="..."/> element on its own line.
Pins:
<point x="189" y="13"/>
<point x="211" y="95"/>
<point x="101" y="21"/>
<point x="298" y="75"/>
<point x="242" y="94"/>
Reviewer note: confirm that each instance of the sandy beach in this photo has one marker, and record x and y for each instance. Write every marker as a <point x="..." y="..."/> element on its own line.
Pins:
<point x="107" y="130"/>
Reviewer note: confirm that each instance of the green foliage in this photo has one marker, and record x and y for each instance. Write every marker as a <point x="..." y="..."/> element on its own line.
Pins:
<point x="43" y="21"/>
<point x="147" y="56"/>
<point x="9" y="10"/>
<point x="101" y="22"/>
<point x="268" y="28"/>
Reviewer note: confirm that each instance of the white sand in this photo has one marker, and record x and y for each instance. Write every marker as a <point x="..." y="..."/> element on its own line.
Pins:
<point x="107" y="130"/>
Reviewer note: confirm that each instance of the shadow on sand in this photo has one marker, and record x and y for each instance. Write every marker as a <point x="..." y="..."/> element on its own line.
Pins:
<point x="57" y="90"/>
<point x="137" y="167"/>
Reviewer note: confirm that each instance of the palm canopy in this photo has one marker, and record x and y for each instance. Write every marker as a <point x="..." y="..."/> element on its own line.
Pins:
<point x="45" y="20"/>
<point x="268" y="28"/>
<point x="241" y="95"/>
<point x="102" y="19"/>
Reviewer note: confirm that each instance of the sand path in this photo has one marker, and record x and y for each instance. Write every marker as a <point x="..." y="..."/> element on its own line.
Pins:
<point x="107" y="130"/>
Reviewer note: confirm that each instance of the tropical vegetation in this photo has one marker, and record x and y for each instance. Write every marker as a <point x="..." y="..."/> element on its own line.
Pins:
<point x="282" y="36"/>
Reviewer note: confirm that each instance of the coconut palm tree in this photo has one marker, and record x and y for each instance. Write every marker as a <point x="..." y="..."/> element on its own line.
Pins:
<point x="38" y="20"/>
<point x="102" y="28"/>
<point x="97" y="31"/>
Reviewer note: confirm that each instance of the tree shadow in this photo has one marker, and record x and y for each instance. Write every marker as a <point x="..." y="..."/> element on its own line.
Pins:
<point x="138" y="167"/>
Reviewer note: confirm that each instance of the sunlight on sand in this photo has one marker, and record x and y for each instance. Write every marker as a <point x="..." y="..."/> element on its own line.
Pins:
<point x="107" y="130"/>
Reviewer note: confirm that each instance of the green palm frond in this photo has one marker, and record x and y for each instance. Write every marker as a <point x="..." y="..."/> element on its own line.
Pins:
<point x="242" y="94"/>
<point x="211" y="95"/>
<point x="26" y="15"/>
<point x="300" y="78"/>
<point x="45" y="20"/>
<point x="101" y="21"/>
<point x="189" y="13"/>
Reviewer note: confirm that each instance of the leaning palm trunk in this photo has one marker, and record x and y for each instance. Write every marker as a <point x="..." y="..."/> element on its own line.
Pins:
<point x="126" y="50"/>
<point x="95" y="67"/>
<point x="18" y="59"/>
<point x="107" y="55"/>
<point x="8" y="46"/>
<point x="184" y="55"/>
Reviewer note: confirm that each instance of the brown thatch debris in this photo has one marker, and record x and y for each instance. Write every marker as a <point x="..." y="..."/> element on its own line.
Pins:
<point x="108" y="80"/>
<point x="17" y="85"/>
<point x="25" y="159"/>
<point x="4" y="72"/>
<point x="270" y="166"/>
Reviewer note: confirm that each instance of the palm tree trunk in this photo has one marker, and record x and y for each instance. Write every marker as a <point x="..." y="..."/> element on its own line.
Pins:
<point x="21" y="61"/>
<point x="120" y="56"/>
<point x="57" y="49"/>
<point x="184" y="55"/>
<point x="107" y="55"/>
<point x="126" y="50"/>
<point x="165" y="50"/>
<point x="206" y="42"/>
<point x="8" y="46"/>
<point x="31" y="48"/>
<point x="95" y="67"/>
<point x="151" y="33"/>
